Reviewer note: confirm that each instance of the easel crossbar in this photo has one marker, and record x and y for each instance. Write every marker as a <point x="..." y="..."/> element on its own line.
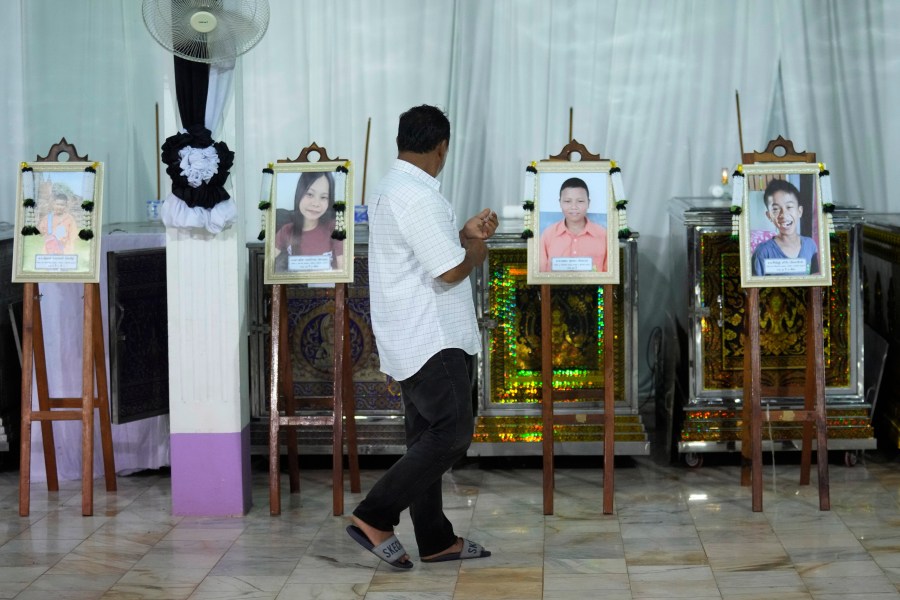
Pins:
<point x="56" y="415"/>
<point x="67" y="402"/>
<point x="805" y="416"/>
<point x="579" y="419"/>
<point x="583" y="394"/>
<point x="300" y="420"/>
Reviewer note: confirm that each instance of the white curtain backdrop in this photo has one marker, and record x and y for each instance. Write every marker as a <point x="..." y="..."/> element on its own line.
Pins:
<point x="651" y="84"/>
<point x="12" y="126"/>
<point x="92" y="74"/>
<point x="315" y="78"/>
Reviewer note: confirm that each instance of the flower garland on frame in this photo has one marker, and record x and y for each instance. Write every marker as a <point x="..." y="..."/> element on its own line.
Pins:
<point x="340" y="203"/>
<point x="29" y="217"/>
<point x="827" y="201"/>
<point x="615" y="173"/>
<point x="87" y="202"/>
<point x="528" y="203"/>
<point x="265" y="199"/>
<point x="737" y="200"/>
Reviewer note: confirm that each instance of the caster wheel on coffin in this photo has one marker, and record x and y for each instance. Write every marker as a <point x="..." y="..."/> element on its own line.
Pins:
<point x="693" y="460"/>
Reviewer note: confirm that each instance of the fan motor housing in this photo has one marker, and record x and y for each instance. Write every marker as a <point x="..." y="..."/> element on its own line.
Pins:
<point x="203" y="21"/>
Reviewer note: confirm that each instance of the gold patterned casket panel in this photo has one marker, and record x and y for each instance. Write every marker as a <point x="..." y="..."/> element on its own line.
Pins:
<point x="311" y="341"/>
<point x="526" y="428"/>
<point x="578" y="319"/>
<point x="783" y="322"/>
<point x="726" y="425"/>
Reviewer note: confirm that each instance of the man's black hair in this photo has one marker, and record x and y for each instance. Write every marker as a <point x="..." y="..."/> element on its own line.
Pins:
<point x="421" y="129"/>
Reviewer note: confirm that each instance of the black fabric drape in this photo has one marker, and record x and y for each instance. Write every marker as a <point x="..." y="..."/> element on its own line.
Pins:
<point x="191" y="87"/>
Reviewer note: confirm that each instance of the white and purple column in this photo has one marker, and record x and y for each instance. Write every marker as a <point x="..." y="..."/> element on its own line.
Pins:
<point x="208" y="391"/>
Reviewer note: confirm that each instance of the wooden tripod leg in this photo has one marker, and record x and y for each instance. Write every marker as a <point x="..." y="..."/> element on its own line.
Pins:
<point x="337" y="448"/>
<point x="102" y="400"/>
<point x="809" y="392"/>
<point x="746" y="445"/>
<point x="87" y="404"/>
<point x="547" y="397"/>
<point x="609" y="400"/>
<point x="287" y="390"/>
<point x="746" y="449"/>
<point x="274" y="449"/>
<point x="28" y="302"/>
<point x="43" y="390"/>
<point x="350" y="407"/>
<point x="815" y="376"/>
<point x="755" y="399"/>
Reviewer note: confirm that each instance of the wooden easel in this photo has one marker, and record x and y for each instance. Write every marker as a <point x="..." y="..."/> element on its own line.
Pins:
<point x="282" y="386"/>
<point x="549" y="395"/>
<point x="813" y="413"/>
<point x="34" y="369"/>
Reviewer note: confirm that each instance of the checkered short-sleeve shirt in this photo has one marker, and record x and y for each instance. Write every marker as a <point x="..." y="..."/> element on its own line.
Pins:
<point x="413" y="239"/>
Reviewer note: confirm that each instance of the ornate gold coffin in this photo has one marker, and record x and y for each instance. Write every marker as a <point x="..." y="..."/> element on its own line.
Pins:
<point x="709" y="325"/>
<point x="510" y="375"/>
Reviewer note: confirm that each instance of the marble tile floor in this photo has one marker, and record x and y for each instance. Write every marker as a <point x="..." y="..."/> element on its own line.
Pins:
<point x="676" y="533"/>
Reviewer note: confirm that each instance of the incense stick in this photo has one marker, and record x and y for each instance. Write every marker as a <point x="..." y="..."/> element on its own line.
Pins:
<point x="737" y="100"/>
<point x="366" y="162"/>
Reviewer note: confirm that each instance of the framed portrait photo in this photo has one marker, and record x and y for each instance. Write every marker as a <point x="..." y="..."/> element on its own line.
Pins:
<point x="309" y="223"/>
<point x="783" y="230"/>
<point x="58" y="218"/>
<point x="575" y="227"/>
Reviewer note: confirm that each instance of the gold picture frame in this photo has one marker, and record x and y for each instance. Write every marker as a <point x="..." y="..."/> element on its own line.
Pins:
<point x="329" y="187"/>
<point x="550" y="259"/>
<point x="783" y="230"/>
<point x="58" y="205"/>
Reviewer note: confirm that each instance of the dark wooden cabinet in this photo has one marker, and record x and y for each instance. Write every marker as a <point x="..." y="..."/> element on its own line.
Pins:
<point x="138" y="334"/>
<point x="10" y="362"/>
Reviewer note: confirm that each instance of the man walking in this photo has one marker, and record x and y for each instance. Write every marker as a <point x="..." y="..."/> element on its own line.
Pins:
<point x="423" y="318"/>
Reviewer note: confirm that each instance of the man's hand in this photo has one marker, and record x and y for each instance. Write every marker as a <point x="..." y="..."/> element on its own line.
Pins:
<point x="476" y="252"/>
<point x="481" y="226"/>
<point x="471" y="237"/>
